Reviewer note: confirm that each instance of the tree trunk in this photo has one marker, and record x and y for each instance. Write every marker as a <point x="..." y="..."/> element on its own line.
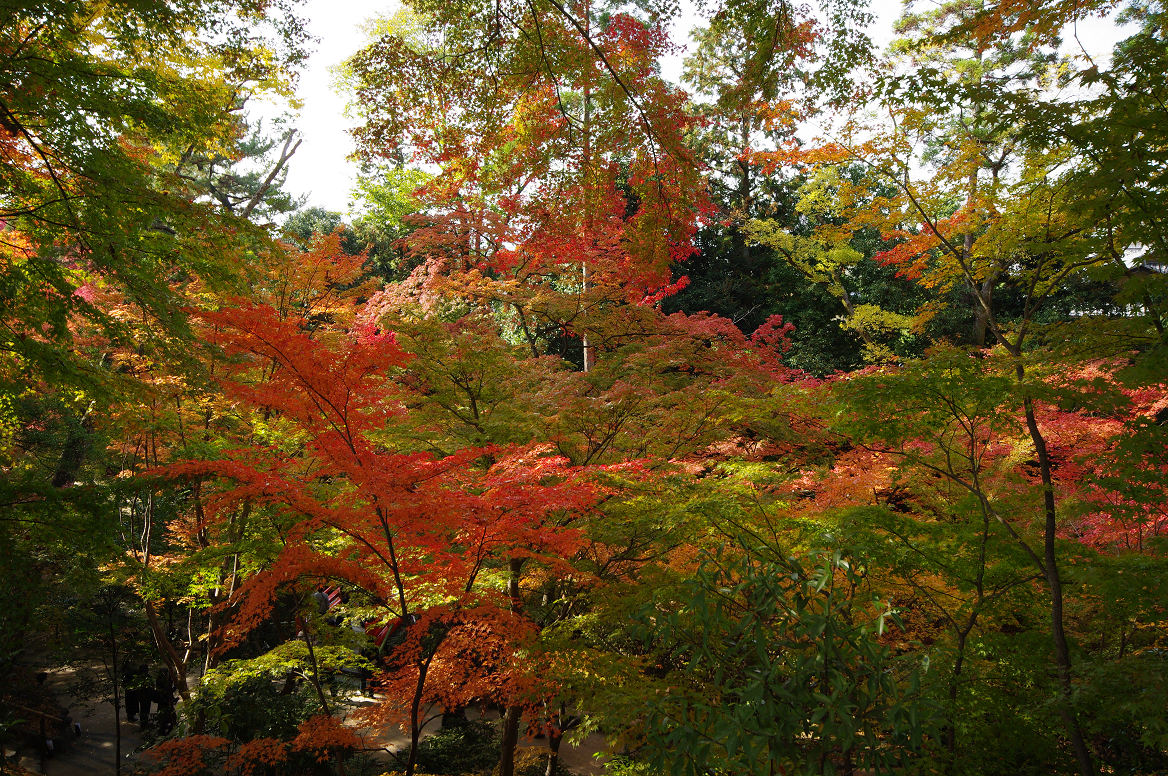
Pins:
<point x="739" y="245"/>
<point x="555" y="738"/>
<point x="117" y="701"/>
<point x="981" y="317"/>
<point x="513" y="713"/>
<point x="177" y="666"/>
<point x="416" y="716"/>
<point x="77" y="446"/>
<point x="589" y="350"/>
<point x="510" y="739"/>
<point x="1049" y="562"/>
<point x="1062" y="652"/>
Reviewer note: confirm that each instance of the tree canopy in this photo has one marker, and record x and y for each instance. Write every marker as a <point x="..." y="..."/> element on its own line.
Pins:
<point x="804" y="416"/>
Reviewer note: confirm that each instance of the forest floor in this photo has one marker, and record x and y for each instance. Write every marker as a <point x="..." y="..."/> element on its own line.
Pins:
<point x="93" y="752"/>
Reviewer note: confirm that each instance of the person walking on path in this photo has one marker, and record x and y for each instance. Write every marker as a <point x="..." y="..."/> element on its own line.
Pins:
<point x="144" y="692"/>
<point x="164" y="697"/>
<point x="130" y="691"/>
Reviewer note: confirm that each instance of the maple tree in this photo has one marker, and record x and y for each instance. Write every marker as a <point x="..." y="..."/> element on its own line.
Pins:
<point x="417" y="530"/>
<point x="1024" y="222"/>
<point x="829" y="666"/>
<point x="562" y="192"/>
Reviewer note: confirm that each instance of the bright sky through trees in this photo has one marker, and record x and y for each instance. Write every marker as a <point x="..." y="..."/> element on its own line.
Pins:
<point x="320" y="169"/>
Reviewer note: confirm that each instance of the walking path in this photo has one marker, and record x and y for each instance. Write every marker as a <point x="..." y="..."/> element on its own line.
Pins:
<point x="582" y="760"/>
<point x="93" y="753"/>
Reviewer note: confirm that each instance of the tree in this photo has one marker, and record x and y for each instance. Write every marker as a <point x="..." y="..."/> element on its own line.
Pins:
<point x="94" y="99"/>
<point x="748" y="67"/>
<point x="779" y="667"/>
<point x="556" y="187"/>
<point x="413" y="531"/>
<point x="236" y="184"/>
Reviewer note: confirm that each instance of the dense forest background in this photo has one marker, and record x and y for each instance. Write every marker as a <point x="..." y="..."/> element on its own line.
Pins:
<point x="808" y="416"/>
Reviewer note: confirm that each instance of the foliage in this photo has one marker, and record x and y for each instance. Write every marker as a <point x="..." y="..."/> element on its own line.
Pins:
<point x="462" y="748"/>
<point x="245" y="708"/>
<point x="779" y="664"/>
<point x="632" y="410"/>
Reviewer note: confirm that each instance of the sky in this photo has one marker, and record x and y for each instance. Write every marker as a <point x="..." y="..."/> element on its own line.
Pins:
<point x="320" y="171"/>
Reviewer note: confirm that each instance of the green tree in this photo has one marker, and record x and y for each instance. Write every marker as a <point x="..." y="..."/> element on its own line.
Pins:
<point x="778" y="664"/>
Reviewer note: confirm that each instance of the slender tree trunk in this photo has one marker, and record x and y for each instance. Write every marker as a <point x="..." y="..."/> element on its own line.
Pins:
<point x="513" y="714"/>
<point x="589" y="354"/>
<point x="315" y="678"/>
<point x="739" y="245"/>
<point x="589" y="350"/>
<point x="1054" y="582"/>
<point x="117" y="701"/>
<point x="1049" y="562"/>
<point x="949" y="733"/>
<point x="415" y="718"/>
<point x="555" y="738"/>
<point x="176" y="664"/>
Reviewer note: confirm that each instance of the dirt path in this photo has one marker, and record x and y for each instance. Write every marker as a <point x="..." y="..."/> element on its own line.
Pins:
<point x="581" y="760"/>
<point x="93" y="753"/>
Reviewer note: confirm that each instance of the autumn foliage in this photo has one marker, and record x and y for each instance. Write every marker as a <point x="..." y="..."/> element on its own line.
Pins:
<point x="623" y="414"/>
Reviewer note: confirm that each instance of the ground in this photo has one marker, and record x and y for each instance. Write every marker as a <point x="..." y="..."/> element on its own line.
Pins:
<point x="92" y="753"/>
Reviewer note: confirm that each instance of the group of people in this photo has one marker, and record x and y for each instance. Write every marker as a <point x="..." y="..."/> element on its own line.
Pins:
<point x="141" y="694"/>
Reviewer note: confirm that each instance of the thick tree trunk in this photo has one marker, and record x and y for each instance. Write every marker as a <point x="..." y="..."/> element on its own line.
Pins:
<point x="981" y="317"/>
<point x="511" y="719"/>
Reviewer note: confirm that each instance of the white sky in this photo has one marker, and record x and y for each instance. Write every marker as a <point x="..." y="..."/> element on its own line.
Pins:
<point x="320" y="169"/>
